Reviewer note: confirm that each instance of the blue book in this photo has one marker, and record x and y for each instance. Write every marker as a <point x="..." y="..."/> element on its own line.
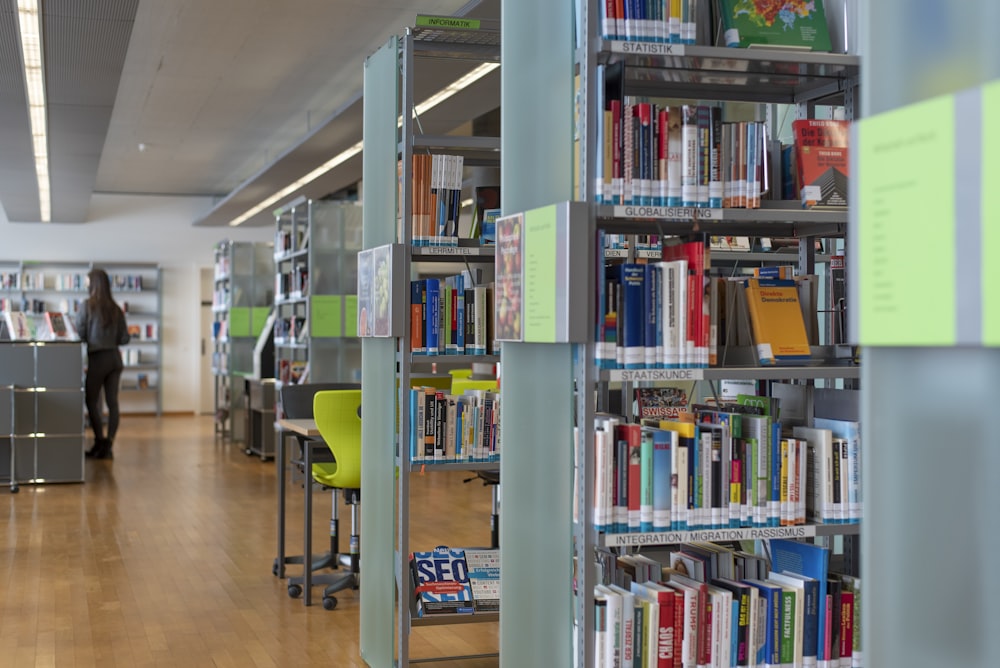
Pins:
<point x="416" y="398"/>
<point x="649" y="315"/>
<point x="459" y="336"/>
<point x="432" y="322"/>
<point x="633" y="282"/>
<point x="441" y="579"/>
<point x="811" y="561"/>
<point x="772" y="632"/>
<point x="810" y="612"/>
<point x="664" y="442"/>
<point x="774" y="507"/>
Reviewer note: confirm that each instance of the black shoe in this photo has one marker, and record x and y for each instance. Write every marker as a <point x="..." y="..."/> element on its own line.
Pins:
<point x="95" y="452"/>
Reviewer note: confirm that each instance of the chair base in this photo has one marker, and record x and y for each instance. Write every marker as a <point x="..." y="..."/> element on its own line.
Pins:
<point x="319" y="562"/>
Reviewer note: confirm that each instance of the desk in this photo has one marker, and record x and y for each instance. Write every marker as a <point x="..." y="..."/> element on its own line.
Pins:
<point x="303" y="427"/>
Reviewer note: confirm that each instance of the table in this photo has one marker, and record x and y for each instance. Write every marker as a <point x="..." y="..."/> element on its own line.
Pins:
<point x="303" y="427"/>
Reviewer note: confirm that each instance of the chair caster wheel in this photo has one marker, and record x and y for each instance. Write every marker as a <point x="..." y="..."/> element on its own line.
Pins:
<point x="295" y="591"/>
<point x="14" y="489"/>
<point x="329" y="602"/>
<point x="274" y="568"/>
<point x="248" y="452"/>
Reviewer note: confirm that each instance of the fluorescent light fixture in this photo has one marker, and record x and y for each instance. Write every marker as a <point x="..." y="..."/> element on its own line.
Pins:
<point x="29" y="21"/>
<point x="429" y="103"/>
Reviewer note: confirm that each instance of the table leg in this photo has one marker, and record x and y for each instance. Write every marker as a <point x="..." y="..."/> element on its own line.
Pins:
<point x="280" y="454"/>
<point x="307" y="554"/>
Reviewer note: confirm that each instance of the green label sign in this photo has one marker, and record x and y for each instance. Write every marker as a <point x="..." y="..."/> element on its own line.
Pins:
<point x="990" y="202"/>
<point x="447" y="22"/>
<point x="539" y="283"/>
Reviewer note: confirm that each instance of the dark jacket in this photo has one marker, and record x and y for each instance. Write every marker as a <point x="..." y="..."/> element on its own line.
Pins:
<point x="99" y="335"/>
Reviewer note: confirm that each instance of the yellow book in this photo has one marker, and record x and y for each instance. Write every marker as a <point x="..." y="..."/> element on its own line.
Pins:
<point x="779" y="331"/>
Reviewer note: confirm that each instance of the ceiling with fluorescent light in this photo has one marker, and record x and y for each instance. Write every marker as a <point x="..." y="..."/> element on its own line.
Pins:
<point x="232" y="99"/>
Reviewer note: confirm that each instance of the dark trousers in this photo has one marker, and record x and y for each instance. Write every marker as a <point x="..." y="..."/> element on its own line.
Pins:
<point x="104" y="371"/>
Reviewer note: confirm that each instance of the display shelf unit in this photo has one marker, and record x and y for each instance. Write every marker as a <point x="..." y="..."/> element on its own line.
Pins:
<point x="416" y="52"/>
<point x="243" y="289"/>
<point x="659" y="71"/>
<point x="315" y="298"/>
<point x="42" y="383"/>
<point x="39" y="286"/>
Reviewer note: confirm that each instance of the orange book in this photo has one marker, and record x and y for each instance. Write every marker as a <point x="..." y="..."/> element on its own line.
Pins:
<point x="779" y="332"/>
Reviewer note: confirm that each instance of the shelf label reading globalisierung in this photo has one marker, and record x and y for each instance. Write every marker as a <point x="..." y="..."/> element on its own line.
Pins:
<point x="667" y="212"/>
<point x="907" y="184"/>
<point x="708" y="535"/>
<point x="647" y="48"/>
<point x="656" y="374"/>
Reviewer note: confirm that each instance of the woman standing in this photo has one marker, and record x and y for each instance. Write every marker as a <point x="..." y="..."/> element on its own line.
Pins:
<point x="101" y="325"/>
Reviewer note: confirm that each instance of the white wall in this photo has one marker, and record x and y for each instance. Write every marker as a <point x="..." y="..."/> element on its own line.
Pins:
<point x="143" y="228"/>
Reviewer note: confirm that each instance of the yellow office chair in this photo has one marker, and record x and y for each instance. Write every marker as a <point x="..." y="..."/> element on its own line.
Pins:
<point x="459" y="384"/>
<point x="338" y="420"/>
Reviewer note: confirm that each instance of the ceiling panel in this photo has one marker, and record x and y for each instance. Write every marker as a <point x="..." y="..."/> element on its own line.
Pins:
<point x="229" y="98"/>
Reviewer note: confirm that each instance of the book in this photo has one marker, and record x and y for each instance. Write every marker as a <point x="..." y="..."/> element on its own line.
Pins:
<point x="441" y="582"/>
<point x="809" y="561"/>
<point x="776" y="320"/>
<point x="484" y="578"/>
<point x="508" y="295"/>
<point x="61" y="327"/>
<point x="661" y="403"/>
<point x="822" y="161"/>
<point x="19" y="326"/>
<point x="791" y="23"/>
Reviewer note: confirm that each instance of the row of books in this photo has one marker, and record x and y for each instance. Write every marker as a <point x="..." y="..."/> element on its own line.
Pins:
<point x="284" y="243"/>
<point x="455" y="581"/>
<point x="679" y="156"/>
<point x="292" y="284"/>
<point x="291" y="329"/>
<point x="722" y="467"/>
<point x="448" y="428"/>
<point x="451" y="316"/>
<point x="63" y="281"/>
<point x="798" y="23"/>
<point x="663" y="21"/>
<point x="25" y="280"/>
<point x="145" y="332"/>
<point x="675" y="314"/>
<point x="794" y="613"/>
<point x="132" y="357"/>
<point x="436" y="201"/>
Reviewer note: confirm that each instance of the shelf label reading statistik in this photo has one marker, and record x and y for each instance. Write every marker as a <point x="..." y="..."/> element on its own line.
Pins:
<point x="906" y="214"/>
<point x="647" y="48"/>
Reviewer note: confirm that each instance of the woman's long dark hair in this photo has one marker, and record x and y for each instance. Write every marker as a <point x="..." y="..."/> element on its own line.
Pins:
<point x="100" y="303"/>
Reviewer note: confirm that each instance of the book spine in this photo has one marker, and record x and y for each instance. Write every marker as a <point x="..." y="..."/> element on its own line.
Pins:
<point x="662" y="151"/>
<point x="689" y="155"/>
<point x="646" y="471"/>
<point x="649" y="314"/>
<point x="459" y="322"/>
<point x="418" y="300"/>
<point x="663" y="442"/>
<point x="704" y="122"/>
<point x="633" y="330"/>
<point x="675" y="150"/>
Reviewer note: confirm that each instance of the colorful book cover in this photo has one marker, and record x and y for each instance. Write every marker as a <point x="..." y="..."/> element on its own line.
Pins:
<point x="484" y="578"/>
<point x="509" y="266"/>
<point x="661" y="403"/>
<point x="380" y="288"/>
<point x="789" y="23"/>
<point x="441" y="581"/>
<point x="822" y="161"/>
<point x="632" y="278"/>
<point x="432" y="316"/>
<point x="811" y="561"/>
<point x="776" y="319"/>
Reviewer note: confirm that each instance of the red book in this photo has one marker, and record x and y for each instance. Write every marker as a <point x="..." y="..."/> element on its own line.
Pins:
<point x="631" y="434"/>
<point x="665" y="597"/>
<point x="846" y="624"/>
<point x="821" y="155"/>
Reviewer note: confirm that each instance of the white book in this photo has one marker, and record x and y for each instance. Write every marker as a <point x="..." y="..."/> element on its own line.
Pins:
<point x="602" y="491"/>
<point x="627" y="643"/>
<point x="819" y="480"/>
<point x="679" y="489"/>
<point x="600" y="628"/>
<point x="613" y="638"/>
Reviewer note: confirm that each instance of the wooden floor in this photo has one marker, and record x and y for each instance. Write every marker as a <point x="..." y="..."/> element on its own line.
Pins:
<point x="163" y="558"/>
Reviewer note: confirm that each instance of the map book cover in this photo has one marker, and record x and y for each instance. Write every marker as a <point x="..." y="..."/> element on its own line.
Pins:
<point x="777" y="23"/>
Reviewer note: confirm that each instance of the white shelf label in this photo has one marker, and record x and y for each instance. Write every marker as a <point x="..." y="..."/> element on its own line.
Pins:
<point x="647" y="48"/>
<point x="656" y="374"/>
<point x="671" y="212"/>
<point x="712" y="535"/>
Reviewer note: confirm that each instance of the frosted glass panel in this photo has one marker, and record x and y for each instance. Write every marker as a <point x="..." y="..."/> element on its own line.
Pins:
<point x="930" y="539"/>
<point x="378" y="355"/>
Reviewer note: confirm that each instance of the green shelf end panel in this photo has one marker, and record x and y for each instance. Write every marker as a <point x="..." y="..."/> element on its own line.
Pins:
<point x="247" y="321"/>
<point x="333" y="316"/>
